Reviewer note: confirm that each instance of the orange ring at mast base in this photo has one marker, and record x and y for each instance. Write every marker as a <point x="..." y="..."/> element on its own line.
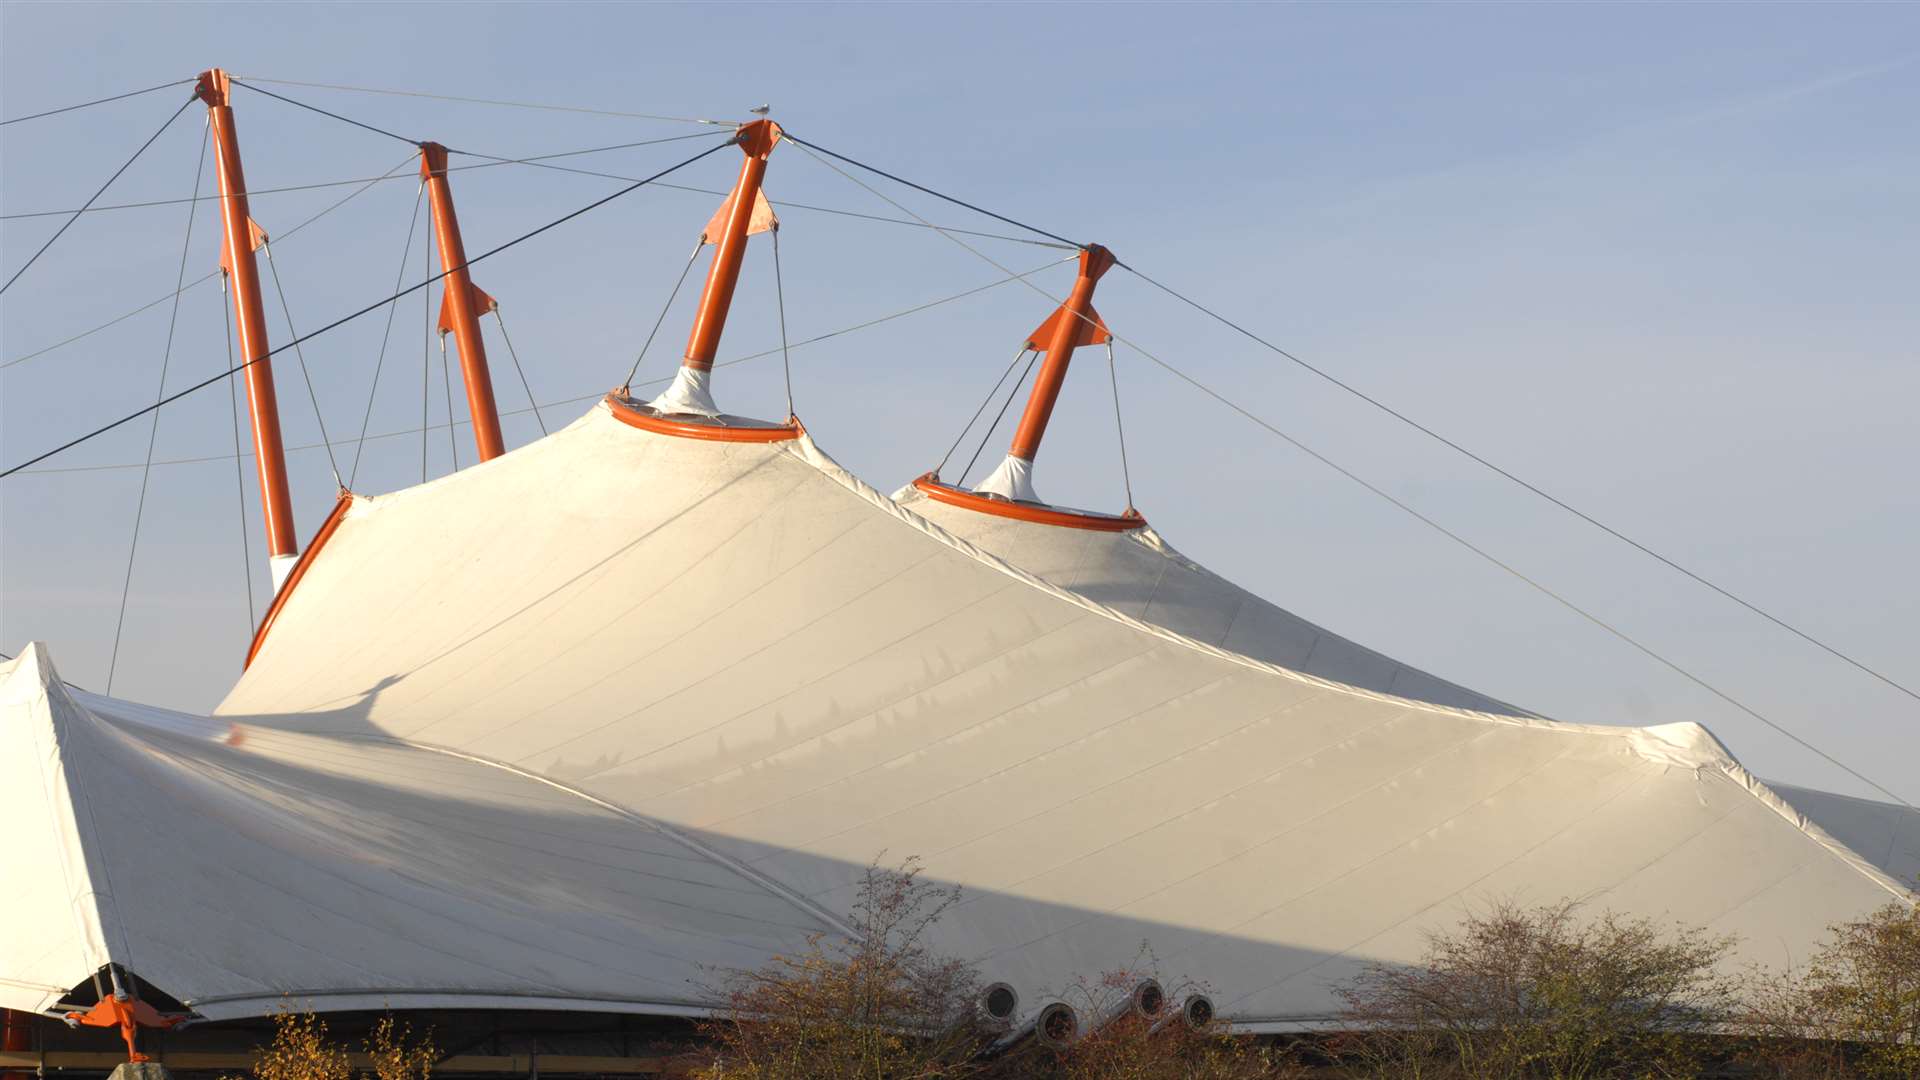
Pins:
<point x="933" y="489"/>
<point x="633" y="416"/>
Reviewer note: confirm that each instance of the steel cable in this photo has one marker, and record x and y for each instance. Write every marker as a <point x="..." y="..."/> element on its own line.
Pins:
<point x="780" y="299"/>
<point x="408" y="432"/>
<point x="426" y="345"/>
<point x="491" y="163"/>
<point x="239" y="474"/>
<point x="1542" y="493"/>
<point x="97" y="101"/>
<point x="446" y="385"/>
<point x="300" y="355"/>
<point x="1120" y="429"/>
<point x="491" y="101"/>
<point x="386" y="335"/>
<point x="96" y="195"/>
<point x="790" y="137"/>
<point x="284" y="237"/>
<point x="627" y="385"/>
<point x="153" y="431"/>
<point x="782" y="204"/>
<point x="987" y="435"/>
<point x="324" y="112"/>
<point x="350" y="316"/>
<point x="984" y="402"/>
<point x="533" y="406"/>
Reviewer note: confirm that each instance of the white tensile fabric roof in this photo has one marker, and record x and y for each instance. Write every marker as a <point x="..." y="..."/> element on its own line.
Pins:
<point x="236" y="866"/>
<point x="737" y="657"/>
<point x="1137" y="573"/>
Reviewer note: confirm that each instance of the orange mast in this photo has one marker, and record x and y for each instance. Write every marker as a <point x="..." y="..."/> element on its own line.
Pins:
<point x="461" y="304"/>
<point x="242" y="236"/>
<point x="1073" y="324"/>
<point x="744" y="212"/>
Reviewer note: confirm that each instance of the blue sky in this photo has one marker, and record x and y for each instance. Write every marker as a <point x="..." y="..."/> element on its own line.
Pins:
<point x="1656" y="258"/>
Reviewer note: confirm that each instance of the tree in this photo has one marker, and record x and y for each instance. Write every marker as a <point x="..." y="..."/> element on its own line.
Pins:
<point x="1520" y="992"/>
<point x="302" y="1049"/>
<point x="881" y="1004"/>
<point x="1854" y="1010"/>
<point x="874" y="1006"/>
<point x="395" y="1054"/>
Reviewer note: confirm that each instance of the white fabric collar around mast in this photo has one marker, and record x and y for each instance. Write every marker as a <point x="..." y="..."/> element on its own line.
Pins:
<point x="691" y="393"/>
<point x="1012" y="480"/>
<point x="279" y="567"/>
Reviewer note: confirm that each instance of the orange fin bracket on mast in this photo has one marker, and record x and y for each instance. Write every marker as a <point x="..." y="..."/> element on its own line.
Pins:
<point x="482" y="302"/>
<point x="761" y="220"/>
<point x="256" y="239"/>
<point x="129" y="1014"/>
<point x="1090" y="333"/>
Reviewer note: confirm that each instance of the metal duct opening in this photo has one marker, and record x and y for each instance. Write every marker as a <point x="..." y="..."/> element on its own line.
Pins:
<point x="1147" y="999"/>
<point x="1057" y="1027"/>
<point x="998" y="1002"/>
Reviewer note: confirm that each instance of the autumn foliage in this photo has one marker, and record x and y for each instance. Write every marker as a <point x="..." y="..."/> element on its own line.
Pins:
<point x="1521" y="992"/>
<point x="883" y="1005"/>
<point x="1510" y="993"/>
<point x="302" y="1049"/>
<point x="1852" y="1011"/>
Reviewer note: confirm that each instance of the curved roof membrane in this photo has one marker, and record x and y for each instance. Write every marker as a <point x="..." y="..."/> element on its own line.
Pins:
<point x="1137" y="573"/>
<point x="233" y="865"/>
<point x="741" y="655"/>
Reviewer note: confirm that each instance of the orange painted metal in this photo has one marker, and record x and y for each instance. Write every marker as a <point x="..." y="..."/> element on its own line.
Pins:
<point x="1069" y="329"/>
<point x="16" y="1035"/>
<point x="299" y="571"/>
<point x="462" y="304"/>
<point x="1093" y="331"/>
<point x="757" y="141"/>
<point x="249" y="314"/>
<point x="129" y="1016"/>
<point x="626" y="413"/>
<point x="1041" y="515"/>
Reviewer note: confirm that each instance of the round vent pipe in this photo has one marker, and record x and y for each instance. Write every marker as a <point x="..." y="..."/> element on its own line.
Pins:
<point x="1057" y="1026"/>
<point x="998" y="1002"/>
<point x="1148" y="999"/>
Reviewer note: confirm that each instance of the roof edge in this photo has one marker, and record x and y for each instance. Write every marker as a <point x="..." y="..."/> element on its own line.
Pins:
<point x="245" y="1006"/>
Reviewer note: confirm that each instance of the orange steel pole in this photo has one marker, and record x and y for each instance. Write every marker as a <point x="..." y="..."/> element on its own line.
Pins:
<point x="1071" y="327"/>
<point x="251" y="319"/>
<point x="460" y="304"/>
<point x="756" y="140"/>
